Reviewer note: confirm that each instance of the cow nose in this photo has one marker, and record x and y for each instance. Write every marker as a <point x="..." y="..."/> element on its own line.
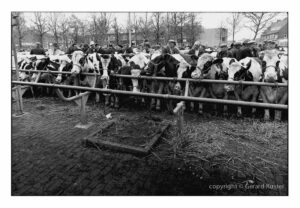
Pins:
<point x="58" y="80"/>
<point x="177" y="87"/>
<point x="73" y="75"/>
<point x="271" y="78"/>
<point x="229" y="88"/>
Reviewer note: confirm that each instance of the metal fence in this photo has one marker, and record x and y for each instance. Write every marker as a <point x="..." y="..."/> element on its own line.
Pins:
<point x="168" y="78"/>
<point x="162" y="96"/>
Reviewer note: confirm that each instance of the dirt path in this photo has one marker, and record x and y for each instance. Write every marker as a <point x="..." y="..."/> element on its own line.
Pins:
<point x="48" y="158"/>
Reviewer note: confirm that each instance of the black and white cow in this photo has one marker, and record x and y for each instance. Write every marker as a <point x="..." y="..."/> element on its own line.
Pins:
<point x="108" y="65"/>
<point x="164" y="65"/>
<point x="209" y="67"/>
<point x="27" y="63"/>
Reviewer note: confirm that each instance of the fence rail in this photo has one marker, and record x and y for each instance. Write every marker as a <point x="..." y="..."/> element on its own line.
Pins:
<point x="170" y="79"/>
<point x="162" y="96"/>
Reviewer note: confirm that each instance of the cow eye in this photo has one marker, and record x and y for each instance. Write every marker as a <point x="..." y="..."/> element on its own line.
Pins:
<point x="81" y="61"/>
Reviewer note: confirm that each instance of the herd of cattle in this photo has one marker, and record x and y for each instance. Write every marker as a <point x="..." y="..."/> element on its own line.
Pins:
<point x="269" y="67"/>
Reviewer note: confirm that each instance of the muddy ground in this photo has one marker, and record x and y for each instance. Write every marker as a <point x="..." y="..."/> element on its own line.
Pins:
<point x="212" y="156"/>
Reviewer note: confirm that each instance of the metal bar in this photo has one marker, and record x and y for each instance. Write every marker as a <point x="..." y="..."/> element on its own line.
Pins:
<point x="75" y="97"/>
<point x="186" y="91"/>
<point x="172" y="79"/>
<point x="163" y="96"/>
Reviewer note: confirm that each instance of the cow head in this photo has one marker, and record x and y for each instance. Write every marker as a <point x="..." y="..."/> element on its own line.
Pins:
<point x="78" y="62"/>
<point x="243" y="73"/>
<point x="181" y="69"/>
<point x="140" y="59"/>
<point x="26" y="64"/>
<point x="135" y="72"/>
<point x="95" y="59"/>
<point x="283" y="69"/>
<point x="64" y="62"/>
<point x="238" y="72"/>
<point x="171" y="65"/>
<point x="156" y="66"/>
<point x="203" y="65"/>
<point x="218" y="70"/>
<point x="270" y="66"/>
<point x="40" y="64"/>
<point x="105" y="61"/>
<point x="88" y="66"/>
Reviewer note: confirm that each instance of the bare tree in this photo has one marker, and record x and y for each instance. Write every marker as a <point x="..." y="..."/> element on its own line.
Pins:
<point x="53" y="25"/>
<point x="167" y="26"/>
<point x="258" y="21"/>
<point x="40" y="25"/>
<point x="136" y="27"/>
<point x="20" y="29"/>
<point x="116" y="29"/>
<point x="83" y="27"/>
<point x="93" y="27"/>
<point x="104" y="23"/>
<point x="99" y="26"/>
<point x="144" y="26"/>
<point x="74" y="26"/>
<point x="234" y="23"/>
<point x="193" y="28"/>
<point x="174" y="25"/>
<point x="63" y="25"/>
<point x="157" y="19"/>
<point x="182" y="18"/>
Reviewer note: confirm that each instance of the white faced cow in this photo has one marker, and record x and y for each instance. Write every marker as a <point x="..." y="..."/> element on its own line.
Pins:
<point x="275" y="70"/>
<point x="64" y="63"/>
<point x="138" y="62"/>
<point x="247" y="69"/>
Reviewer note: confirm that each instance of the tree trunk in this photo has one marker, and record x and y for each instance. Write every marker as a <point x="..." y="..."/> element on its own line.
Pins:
<point x="56" y="37"/>
<point x="20" y="42"/>
<point x="41" y="40"/>
<point x="255" y="34"/>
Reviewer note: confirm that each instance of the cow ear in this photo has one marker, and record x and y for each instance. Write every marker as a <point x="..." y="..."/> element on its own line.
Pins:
<point x="248" y="65"/>
<point x="218" y="61"/>
<point x="194" y="57"/>
<point x="277" y="64"/>
<point x="97" y="57"/>
<point x="231" y="61"/>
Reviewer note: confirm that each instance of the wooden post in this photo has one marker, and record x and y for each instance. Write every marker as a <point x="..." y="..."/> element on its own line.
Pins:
<point x="179" y="110"/>
<point x="81" y="102"/>
<point x="18" y="92"/>
<point x="83" y="116"/>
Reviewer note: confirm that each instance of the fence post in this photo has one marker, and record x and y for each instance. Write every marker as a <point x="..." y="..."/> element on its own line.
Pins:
<point x="179" y="110"/>
<point x="81" y="102"/>
<point x="17" y="93"/>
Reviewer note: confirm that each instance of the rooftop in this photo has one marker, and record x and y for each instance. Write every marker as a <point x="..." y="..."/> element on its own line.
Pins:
<point x="275" y="27"/>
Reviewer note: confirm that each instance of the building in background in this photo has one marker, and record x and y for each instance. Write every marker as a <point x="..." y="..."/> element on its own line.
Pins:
<point x="123" y="37"/>
<point x="277" y="31"/>
<point x="213" y="37"/>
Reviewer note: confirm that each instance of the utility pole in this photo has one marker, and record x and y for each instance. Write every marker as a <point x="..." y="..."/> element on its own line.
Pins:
<point x="129" y="29"/>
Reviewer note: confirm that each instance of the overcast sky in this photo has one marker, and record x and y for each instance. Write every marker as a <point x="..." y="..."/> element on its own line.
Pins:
<point x="209" y="20"/>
